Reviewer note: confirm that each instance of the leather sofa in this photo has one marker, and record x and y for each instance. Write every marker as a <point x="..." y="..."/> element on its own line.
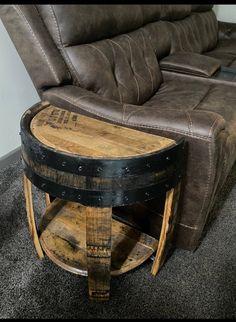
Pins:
<point x="200" y="32"/>
<point x="199" y="46"/>
<point x="103" y="61"/>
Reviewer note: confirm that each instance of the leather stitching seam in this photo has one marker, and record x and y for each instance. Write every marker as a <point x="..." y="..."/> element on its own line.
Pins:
<point x="74" y="101"/>
<point x="20" y="13"/>
<point x="60" y="44"/>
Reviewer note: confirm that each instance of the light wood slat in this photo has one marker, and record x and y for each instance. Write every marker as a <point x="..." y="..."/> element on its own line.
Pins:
<point x="47" y="200"/>
<point x="168" y="212"/>
<point x="98" y="248"/>
<point x="30" y="216"/>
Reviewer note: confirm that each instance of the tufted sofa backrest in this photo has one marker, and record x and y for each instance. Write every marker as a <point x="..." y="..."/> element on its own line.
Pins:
<point x="112" y="50"/>
<point x="206" y="25"/>
<point x="107" y="48"/>
<point x="196" y="33"/>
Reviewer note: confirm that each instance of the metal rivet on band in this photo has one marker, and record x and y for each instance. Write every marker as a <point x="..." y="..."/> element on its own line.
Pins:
<point x="63" y="193"/>
<point x="168" y="158"/>
<point x="63" y="163"/>
<point x="148" y="165"/>
<point x="80" y="168"/>
<point x="99" y="169"/>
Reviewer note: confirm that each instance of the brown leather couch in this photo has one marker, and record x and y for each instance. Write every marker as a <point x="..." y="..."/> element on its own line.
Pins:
<point x="102" y="60"/>
<point x="199" y="45"/>
<point x="200" y="32"/>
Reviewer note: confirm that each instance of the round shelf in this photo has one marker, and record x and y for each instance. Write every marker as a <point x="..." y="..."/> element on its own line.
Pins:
<point x="63" y="239"/>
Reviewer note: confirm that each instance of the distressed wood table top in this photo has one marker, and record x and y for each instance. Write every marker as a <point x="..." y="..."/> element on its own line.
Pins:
<point x="77" y="134"/>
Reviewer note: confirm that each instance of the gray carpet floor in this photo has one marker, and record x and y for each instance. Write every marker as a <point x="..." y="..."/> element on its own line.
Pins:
<point x="200" y="284"/>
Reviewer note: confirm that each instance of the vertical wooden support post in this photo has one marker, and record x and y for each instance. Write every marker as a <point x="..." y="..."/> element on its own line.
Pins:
<point x="169" y="211"/>
<point x="98" y="240"/>
<point x="30" y="217"/>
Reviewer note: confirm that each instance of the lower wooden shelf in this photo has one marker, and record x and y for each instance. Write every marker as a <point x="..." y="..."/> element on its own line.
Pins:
<point x="63" y="238"/>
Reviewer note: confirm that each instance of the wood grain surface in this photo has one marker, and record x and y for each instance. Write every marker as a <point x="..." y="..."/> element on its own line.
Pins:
<point x="77" y="134"/>
<point x="98" y="247"/>
<point x="63" y="238"/>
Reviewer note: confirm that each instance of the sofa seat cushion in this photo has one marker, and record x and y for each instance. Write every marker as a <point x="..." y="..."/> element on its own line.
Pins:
<point x="192" y="96"/>
<point x="215" y="101"/>
<point x="226" y="46"/>
<point x="225" y="59"/>
<point x="225" y="51"/>
<point x="178" y="94"/>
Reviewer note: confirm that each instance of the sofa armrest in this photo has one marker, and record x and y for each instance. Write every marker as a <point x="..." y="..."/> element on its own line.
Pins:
<point x="190" y="63"/>
<point x="200" y="124"/>
<point x="77" y="99"/>
<point x="226" y="30"/>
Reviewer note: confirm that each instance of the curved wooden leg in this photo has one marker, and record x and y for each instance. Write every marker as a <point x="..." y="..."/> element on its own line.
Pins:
<point x="168" y="212"/>
<point x="98" y="240"/>
<point x="30" y="217"/>
<point x="47" y="199"/>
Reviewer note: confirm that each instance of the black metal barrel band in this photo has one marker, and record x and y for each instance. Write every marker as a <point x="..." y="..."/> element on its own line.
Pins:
<point x="125" y="182"/>
<point x="99" y="182"/>
<point x="100" y="198"/>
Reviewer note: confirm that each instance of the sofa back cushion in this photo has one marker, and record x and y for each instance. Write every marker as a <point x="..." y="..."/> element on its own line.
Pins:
<point x="123" y="68"/>
<point x="106" y="50"/>
<point x="72" y="25"/>
<point x="172" y="12"/>
<point x="159" y="37"/>
<point x="207" y="27"/>
<point x="196" y="33"/>
<point x="35" y="46"/>
<point x="112" y="50"/>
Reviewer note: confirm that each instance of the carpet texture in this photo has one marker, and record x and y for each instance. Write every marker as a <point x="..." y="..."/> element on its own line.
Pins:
<point x="200" y="284"/>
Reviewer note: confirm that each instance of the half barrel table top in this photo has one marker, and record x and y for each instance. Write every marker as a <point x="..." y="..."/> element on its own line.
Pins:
<point x="78" y="134"/>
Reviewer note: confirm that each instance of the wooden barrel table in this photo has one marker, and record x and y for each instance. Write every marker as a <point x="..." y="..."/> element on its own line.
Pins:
<point x="89" y="166"/>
